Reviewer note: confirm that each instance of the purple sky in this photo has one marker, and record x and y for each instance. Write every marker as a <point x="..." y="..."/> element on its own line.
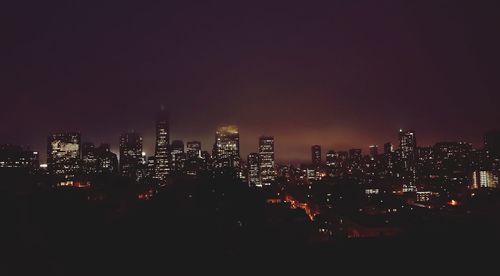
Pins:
<point x="337" y="73"/>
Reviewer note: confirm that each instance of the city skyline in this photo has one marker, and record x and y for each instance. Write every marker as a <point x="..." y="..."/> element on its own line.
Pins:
<point x="149" y="145"/>
<point x="336" y="74"/>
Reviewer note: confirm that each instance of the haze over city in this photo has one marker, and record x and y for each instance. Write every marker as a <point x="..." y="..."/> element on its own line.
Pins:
<point x="341" y="74"/>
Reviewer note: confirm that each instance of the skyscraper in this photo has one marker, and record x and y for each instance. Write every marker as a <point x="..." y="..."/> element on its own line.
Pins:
<point x="373" y="150"/>
<point x="253" y="170"/>
<point x="63" y="154"/>
<point x="193" y="149"/>
<point x="492" y="144"/>
<point x="162" y="151"/>
<point x="266" y="159"/>
<point x="407" y="148"/>
<point x="331" y="158"/>
<point x="130" y="154"/>
<point x="388" y="148"/>
<point x="178" y="156"/>
<point x="316" y="155"/>
<point x="107" y="162"/>
<point x="227" y="147"/>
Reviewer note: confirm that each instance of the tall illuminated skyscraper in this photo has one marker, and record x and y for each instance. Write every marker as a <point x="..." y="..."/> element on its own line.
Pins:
<point x="227" y="147"/>
<point x="407" y="149"/>
<point x="316" y="155"/>
<point x="162" y="146"/>
<point x="130" y="154"/>
<point x="63" y="154"/>
<point x="253" y="170"/>
<point x="266" y="159"/>
<point x="178" y="156"/>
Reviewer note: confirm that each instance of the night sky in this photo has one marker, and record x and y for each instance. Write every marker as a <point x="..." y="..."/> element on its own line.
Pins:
<point x="337" y="73"/>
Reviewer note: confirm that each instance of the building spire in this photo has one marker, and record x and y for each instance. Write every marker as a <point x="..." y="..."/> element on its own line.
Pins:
<point x="162" y="107"/>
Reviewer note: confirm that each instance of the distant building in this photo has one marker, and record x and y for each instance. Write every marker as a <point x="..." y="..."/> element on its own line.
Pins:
<point x="266" y="159"/>
<point x="316" y="155"/>
<point x="63" y="154"/>
<point x="253" y="170"/>
<point x="193" y="149"/>
<point x="162" y="151"/>
<point x="107" y="161"/>
<point x="227" y="147"/>
<point x="373" y="150"/>
<point x="178" y="156"/>
<point x="492" y="144"/>
<point x="331" y="159"/>
<point x="355" y="154"/>
<point x="484" y="179"/>
<point x="194" y="161"/>
<point x="388" y="148"/>
<point x="407" y="153"/>
<point x="15" y="157"/>
<point x="89" y="159"/>
<point x="130" y="154"/>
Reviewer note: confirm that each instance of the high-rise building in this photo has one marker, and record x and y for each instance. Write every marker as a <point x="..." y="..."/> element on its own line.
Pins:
<point x="355" y="154"/>
<point x="316" y="155"/>
<point x="130" y="154"/>
<point x="63" y="154"/>
<point x="193" y="149"/>
<point x="162" y="146"/>
<point x="407" y="149"/>
<point x="331" y="158"/>
<point x="388" y="148"/>
<point x="484" y="179"/>
<point x="227" y="147"/>
<point x="89" y="158"/>
<point x="266" y="159"/>
<point x="253" y="170"/>
<point x="492" y="144"/>
<point x="107" y="161"/>
<point x="178" y="156"/>
<point x="373" y="150"/>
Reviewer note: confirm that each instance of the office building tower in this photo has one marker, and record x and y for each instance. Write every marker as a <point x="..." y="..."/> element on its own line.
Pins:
<point x="484" y="179"/>
<point x="227" y="147"/>
<point x="407" y="153"/>
<point x="266" y="159"/>
<point x="373" y="150"/>
<point x="178" y="156"/>
<point x="253" y="170"/>
<point x="130" y="154"/>
<point x="193" y="149"/>
<point x="331" y="158"/>
<point x="316" y="155"/>
<point x="388" y="148"/>
<point x="107" y="161"/>
<point x="63" y="154"/>
<point x="355" y="154"/>
<point x="492" y="144"/>
<point x="162" y="146"/>
<point x="89" y="159"/>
